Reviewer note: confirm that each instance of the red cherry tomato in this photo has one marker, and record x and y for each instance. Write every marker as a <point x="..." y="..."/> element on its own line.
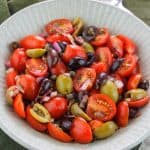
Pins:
<point x="137" y="69"/>
<point x="101" y="38"/>
<point x="29" y="86"/>
<point x="72" y="51"/>
<point x="18" y="59"/>
<point x="94" y="91"/>
<point x="56" y="106"/>
<point x="58" y="133"/>
<point x="32" y="41"/>
<point x="100" y="67"/>
<point x="19" y="107"/>
<point x="138" y="103"/>
<point x="81" y="131"/>
<point x="33" y="122"/>
<point x="59" y="26"/>
<point x="116" y="46"/>
<point x="36" y="67"/>
<point x="129" y="45"/>
<point x="10" y="77"/>
<point x="101" y="107"/>
<point x="104" y="55"/>
<point x="84" y="79"/>
<point x="127" y="66"/>
<point x="133" y="81"/>
<point x="95" y="123"/>
<point x="59" y="68"/>
<point x="122" y="115"/>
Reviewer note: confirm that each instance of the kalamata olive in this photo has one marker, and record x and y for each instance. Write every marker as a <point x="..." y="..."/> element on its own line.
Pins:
<point x="89" y="33"/>
<point x="79" y="96"/>
<point x="144" y="84"/>
<point x="102" y="76"/>
<point x="133" y="112"/>
<point x="91" y="58"/>
<point x="14" y="45"/>
<point x="66" y="124"/>
<point x="62" y="45"/>
<point x="83" y="102"/>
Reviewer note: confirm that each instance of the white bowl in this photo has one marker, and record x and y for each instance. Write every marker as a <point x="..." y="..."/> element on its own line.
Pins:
<point x="32" y="20"/>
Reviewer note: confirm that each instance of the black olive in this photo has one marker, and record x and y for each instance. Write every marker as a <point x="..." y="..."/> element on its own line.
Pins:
<point x="79" y="96"/>
<point x="91" y="58"/>
<point x="144" y="84"/>
<point x="133" y="112"/>
<point x="65" y="124"/>
<point x="89" y="33"/>
<point x="14" y="45"/>
<point x="62" y="46"/>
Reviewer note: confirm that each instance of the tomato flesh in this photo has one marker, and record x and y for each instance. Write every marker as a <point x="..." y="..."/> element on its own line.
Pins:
<point x="100" y="67"/>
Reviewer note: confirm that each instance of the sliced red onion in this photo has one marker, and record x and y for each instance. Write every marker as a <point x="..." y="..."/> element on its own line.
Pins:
<point x="119" y="83"/>
<point x="57" y="47"/>
<point x="7" y="64"/>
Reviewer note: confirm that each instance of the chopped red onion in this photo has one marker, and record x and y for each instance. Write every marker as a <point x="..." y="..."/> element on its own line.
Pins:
<point x="57" y="47"/>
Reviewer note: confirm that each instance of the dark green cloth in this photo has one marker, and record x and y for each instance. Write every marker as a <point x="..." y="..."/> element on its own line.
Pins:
<point x="7" y="7"/>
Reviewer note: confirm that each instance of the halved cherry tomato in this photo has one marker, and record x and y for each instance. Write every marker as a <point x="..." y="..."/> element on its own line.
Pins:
<point x="133" y="81"/>
<point x="116" y="46"/>
<point x="101" y="38"/>
<point x="18" y="59"/>
<point x="81" y="131"/>
<point x="101" y="107"/>
<point x="84" y="79"/>
<point x="138" y="103"/>
<point x="94" y="91"/>
<point x="36" y="67"/>
<point x="10" y="77"/>
<point x="95" y="123"/>
<point x="32" y="41"/>
<point x="19" y="107"/>
<point x="100" y="67"/>
<point x="58" y="133"/>
<point x="72" y="51"/>
<point x="129" y="45"/>
<point x="104" y="55"/>
<point x="59" y="26"/>
<point x="57" y="38"/>
<point x="122" y="115"/>
<point x="29" y="86"/>
<point x="128" y="65"/>
<point x="137" y="69"/>
<point x="56" y="106"/>
<point x="59" y="68"/>
<point x="33" y="122"/>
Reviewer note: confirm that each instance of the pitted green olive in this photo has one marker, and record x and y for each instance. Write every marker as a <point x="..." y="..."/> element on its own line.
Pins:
<point x="35" y="53"/>
<point x="88" y="47"/>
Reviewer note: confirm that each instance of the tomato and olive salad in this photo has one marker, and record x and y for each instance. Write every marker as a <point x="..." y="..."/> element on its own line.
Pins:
<point x="76" y="82"/>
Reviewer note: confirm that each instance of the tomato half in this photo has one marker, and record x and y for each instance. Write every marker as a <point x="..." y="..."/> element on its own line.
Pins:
<point x="56" y="106"/>
<point x="32" y="41"/>
<point x="129" y="45"/>
<point x="84" y="79"/>
<point x="122" y="115"/>
<point x="81" y="131"/>
<point x="33" y="122"/>
<point x="100" y="67"/>
<point x="101" y="107"/>
<point x="36" y="67"/>
<point x="72" y="51"/>
<point x="19" y="107"/>
<point x="59" y="26"/>
<point x="95" y="123"/>
<point x="58" y="133"/>
<point x="104" y="55"/>
<point x="18" y="59"/>
<point x="128" y="65"/>
<point x="101" y="38"/>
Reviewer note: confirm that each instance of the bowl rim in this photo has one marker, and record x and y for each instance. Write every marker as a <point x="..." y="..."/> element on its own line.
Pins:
<point x="19" y="140"/>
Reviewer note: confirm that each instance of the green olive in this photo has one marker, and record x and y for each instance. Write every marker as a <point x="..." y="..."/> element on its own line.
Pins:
<point x="105" y="130"/>
<point x="110" y="89"/>
<point x="35" y="53"/>
<point x="88" y="47"/>
<point x="64" y="84"/>
<point x="77" y="111"/>
<point x="136" y="94"/>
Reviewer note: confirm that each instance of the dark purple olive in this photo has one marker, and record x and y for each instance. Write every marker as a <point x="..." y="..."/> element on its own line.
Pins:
<point x="144" y="84"/>
<point x="62" y="46"/>
<point x="14" y="45"/>
<point x="89" y="33"/>
<point x="79" y="96"/>
<point x="133" y="113"/>
<point x="91" y="58"/>
<point x="66" y="124"/>
<point x="83" y="102"/>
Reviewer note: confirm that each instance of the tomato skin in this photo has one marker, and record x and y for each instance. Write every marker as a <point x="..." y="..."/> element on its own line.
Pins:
<point x="19" y="107"/>
<point x="95" y="123"/>
<point x="133" y="81"/>
<point x="59" y="68"/>
<point x="18" y="59"/>
<point x="122" y="115"/>
<point x="58" y="133"/>
<point x="33" y="122"/>
<point x="81" y="131"/>
<point x="104" y="55"/>
<point x="10" y="77"/>
<point x="32" y="41"/>
<point x="101" y="38"/>
<point x="56" y="106"/>
<point x="100" y="67"/>
<point x="98" y="103"/>
<point x="129" y="45"/>
<point x="29" y="85"/>
<point x="138" y="103"/>
<point x="72" y="51"/>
